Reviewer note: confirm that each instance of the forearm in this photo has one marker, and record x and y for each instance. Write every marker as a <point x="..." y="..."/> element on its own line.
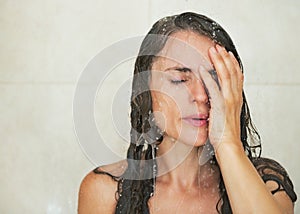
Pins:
<point x="246" y="190"/>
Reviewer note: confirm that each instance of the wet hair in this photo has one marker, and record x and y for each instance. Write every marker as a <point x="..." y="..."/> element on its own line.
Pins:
<point x="135" y="186"/>
<point x="133" y="194"/>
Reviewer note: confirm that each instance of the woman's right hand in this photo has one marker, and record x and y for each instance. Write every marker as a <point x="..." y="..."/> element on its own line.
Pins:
<point x="225" y="96"/>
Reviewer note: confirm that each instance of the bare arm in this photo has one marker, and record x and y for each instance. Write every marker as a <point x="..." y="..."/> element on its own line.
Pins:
<point x="246" y="190"/>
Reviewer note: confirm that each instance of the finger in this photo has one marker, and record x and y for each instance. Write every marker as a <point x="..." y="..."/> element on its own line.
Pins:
<point x="240" y="75"/>
<point x="237" y="77"/>
<point x="227" y="60"/>
<point x="222" y="72"/>
<point x="231" y="67"/>
<point x="234" y="70"/>
<point x="211" y="86"/>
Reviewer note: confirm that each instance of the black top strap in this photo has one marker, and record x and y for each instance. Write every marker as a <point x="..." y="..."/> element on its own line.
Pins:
<point x="271" y="170"/>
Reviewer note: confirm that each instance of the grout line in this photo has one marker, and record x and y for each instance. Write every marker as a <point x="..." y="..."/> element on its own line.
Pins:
<point x="72" y="83"/>
<point x="36" y="83"/>
<point x="272" y="84"/>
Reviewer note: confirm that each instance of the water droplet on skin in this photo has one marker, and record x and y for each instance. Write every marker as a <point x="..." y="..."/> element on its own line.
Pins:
<point x="206" y="185"/>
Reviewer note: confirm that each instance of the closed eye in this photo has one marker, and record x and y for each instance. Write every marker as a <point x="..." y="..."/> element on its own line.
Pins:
<point x="184" y="78"/>
<point x="184" y="69"/>
<point x="178" y="81"/>
<point x="180" y="69"/>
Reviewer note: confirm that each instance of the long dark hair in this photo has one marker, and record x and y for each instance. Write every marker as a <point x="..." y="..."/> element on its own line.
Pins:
<point x="133" y="194"/>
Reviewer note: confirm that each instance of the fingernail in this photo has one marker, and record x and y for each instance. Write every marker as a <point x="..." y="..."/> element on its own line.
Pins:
<point x="219" y="48"/>
<point x="213" y="50"/>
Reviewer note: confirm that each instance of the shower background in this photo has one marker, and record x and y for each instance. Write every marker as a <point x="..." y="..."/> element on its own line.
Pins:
<point x="45" y="45"/>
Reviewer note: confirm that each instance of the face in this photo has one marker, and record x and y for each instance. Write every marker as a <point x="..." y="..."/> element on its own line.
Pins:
<point x="180" y="103"/>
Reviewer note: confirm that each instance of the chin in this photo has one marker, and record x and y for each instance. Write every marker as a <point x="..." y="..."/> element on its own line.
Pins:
<point x="194" y="137"/>
<point x="196" y="142"/>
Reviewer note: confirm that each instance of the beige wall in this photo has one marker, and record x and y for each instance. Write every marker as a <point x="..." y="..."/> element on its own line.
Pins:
<point x="45" y="45"/>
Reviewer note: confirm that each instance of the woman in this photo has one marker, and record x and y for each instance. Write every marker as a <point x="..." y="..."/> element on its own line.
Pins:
<point x="187" y="100"/>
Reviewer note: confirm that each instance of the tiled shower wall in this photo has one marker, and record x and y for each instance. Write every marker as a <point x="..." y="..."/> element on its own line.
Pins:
<point x="45" y="45"/>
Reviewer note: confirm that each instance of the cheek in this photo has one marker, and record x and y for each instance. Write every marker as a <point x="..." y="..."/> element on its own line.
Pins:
<point x="164" y="103"/>
<point x="166" y="112"/>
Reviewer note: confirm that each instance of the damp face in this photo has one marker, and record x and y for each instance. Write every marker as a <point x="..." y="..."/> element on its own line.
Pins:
<point x="180" y="103"/>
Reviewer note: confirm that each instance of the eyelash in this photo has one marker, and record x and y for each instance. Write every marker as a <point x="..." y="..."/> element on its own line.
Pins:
<point x="176" y="82"/>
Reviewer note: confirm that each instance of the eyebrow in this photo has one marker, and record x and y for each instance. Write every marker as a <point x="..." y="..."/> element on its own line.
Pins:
<point x="180" y="69"/>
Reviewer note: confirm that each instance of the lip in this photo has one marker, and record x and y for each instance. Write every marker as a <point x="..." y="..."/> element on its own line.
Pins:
<point x="197" y="120"/>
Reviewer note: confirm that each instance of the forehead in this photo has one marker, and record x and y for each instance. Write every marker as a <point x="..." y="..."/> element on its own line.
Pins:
<point x="186" y="48"/>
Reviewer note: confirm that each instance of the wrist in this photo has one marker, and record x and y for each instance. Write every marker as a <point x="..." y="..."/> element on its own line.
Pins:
<point x="229" y="150"/>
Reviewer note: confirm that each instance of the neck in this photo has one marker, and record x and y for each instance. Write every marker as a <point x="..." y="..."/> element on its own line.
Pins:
<point x="178" y="165"/>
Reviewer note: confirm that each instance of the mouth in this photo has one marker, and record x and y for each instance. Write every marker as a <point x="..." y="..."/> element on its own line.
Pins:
<point x="197" y="120"/>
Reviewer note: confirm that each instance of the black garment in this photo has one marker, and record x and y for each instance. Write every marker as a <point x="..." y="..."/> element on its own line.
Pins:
<point x="271" y="170"/>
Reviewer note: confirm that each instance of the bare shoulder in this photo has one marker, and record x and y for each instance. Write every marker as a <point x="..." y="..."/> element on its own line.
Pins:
<point x="98" y="189"/>
<point x="278" y="182"/>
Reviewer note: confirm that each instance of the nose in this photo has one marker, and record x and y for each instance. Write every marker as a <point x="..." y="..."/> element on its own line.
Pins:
<point x="197" y="92"/>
